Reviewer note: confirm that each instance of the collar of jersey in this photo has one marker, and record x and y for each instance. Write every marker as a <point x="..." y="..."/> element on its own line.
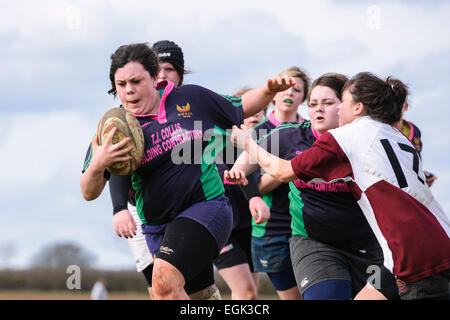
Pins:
<point x="277" y="122"/>
<point x="164" y="88"/>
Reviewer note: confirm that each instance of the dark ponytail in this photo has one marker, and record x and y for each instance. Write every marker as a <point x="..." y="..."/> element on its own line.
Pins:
<point x="382" y="100"/>
<point x="400" y="89"/>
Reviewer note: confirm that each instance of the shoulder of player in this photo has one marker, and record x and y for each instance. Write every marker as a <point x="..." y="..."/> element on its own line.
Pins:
<point x="417" y="132"/>
<point x="285" y="128"/>
<point x="194" y="91"/>
<point x="190" y="89"/>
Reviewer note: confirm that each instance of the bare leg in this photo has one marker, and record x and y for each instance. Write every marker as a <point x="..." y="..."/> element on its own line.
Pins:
<point x="150" y="292"/>
<point x="255" y="276"/>
<point x="369" y="293"/>
<point x="167" y="282"/>
<point x="240" y="280"/>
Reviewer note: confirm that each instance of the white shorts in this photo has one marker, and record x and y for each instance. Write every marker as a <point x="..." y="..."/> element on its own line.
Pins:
<point x="137" y="244"/>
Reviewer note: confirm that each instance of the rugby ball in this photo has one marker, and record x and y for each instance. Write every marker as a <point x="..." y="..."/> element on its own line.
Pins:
<point x="127" y="126"/>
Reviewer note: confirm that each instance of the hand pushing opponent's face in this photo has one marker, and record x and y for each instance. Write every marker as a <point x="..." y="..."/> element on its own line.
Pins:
<point x="136" y="89"/>
<point x="290" y="99"/>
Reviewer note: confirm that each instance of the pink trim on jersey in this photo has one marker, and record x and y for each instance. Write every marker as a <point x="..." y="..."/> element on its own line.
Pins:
<point x="150" y="115"/>
<point x="274" y="120"/>
<point x="411" y="131"/>
<point x="315" y="133"/>
<point x="277" y="122"/>
<point x="168" y="86"/>
<point x="225" y="181"/>
<point x="405" y="221"/>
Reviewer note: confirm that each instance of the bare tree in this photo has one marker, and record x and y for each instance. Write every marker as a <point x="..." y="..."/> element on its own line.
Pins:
<point x="7" y="251"/>
<point x="62" y="255"/>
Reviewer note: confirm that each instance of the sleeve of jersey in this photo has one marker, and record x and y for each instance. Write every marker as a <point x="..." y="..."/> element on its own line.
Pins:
<point x="118" y="189"/>
<point x="226" y="110"/>
<point x="325" y="160"/>
<point x="87" y="161"/>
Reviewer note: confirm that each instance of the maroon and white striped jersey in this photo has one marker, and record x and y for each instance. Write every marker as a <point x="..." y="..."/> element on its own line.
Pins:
<point x="385" y="173"/>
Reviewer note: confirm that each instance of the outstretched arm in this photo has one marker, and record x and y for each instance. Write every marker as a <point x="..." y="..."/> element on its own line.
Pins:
<point x="279" y="168"/>
<point x="268" y="183"/>
<point x="241" y="168"/>
<point x="257" y="99"/>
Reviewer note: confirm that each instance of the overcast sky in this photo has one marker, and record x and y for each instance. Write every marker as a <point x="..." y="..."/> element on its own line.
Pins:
<point x="54" y="78"/>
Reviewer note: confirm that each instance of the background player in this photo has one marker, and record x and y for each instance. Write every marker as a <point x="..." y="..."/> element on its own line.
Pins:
<point x="270" y="241"/>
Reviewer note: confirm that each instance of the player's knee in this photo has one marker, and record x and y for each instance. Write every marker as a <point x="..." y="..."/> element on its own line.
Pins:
<point x="247" y="292"/>
<point x="160" y="285"/>
<point x="251" y="293"/>
<point x="166" y="280"/>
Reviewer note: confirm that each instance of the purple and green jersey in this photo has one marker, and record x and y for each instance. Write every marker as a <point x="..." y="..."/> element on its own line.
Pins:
<point x="181" y="142"/>
<point x="327" y="212"/>
<point x="277" y="200"/>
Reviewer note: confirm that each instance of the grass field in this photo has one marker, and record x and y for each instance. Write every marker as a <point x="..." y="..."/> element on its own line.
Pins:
<point x="76" y="295"/>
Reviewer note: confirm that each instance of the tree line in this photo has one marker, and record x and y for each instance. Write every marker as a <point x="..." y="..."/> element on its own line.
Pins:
<point x="50" y="271"/>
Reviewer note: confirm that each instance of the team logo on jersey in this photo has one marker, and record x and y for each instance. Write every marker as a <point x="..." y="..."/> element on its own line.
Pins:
<point x="184" y="111"/>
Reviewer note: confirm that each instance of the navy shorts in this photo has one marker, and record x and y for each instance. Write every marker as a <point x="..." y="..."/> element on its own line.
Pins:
<point x="190" y="248"/>
<point x="237" y="250"/>
<point x="193" y="239"/>
<point x="215" y="215"/>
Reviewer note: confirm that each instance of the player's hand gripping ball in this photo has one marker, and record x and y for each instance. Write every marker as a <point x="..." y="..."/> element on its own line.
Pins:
<point x="127" y="126"/>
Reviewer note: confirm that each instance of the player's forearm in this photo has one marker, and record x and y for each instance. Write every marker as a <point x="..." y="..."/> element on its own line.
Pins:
<point x="279" y="168"/>
<point x="268" y="184"/>
<point x="255" y="100"/>
<point x="245" y="163"/>
<point x="92" y="182"/>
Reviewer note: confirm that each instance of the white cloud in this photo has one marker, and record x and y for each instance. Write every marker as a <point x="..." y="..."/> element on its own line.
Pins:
<point x="42" y="147"/>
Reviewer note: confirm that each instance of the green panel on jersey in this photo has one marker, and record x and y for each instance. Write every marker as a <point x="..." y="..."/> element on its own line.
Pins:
<point x="305" y="124"/>
<point x="296" y="210"/>
<point x="235" y="101"/>
<point x="211" y="183"/>
<point x="88" y="161"/>
<point x="258" y="230"/>
<point x="138" y="186"/>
